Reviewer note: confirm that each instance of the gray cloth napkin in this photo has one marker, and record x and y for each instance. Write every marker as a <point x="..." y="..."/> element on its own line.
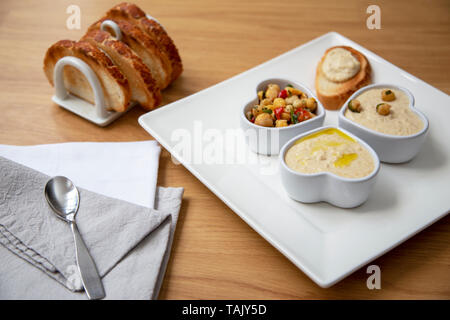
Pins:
<point x="130" y="244"/>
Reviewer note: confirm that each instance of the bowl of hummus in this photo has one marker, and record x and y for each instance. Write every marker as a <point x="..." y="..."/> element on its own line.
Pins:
<point x="291" y="109"/>
<point x="384" y="115"/>
<point x="328" y="164"/>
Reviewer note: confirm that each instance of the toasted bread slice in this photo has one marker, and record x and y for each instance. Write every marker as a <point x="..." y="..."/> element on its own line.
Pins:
<point x="133" y="14"/>
<point x="143" y="87"/>
<point x="144" y="46"/>
<point x="115" y="85"/>
<point x="334" y="94"/>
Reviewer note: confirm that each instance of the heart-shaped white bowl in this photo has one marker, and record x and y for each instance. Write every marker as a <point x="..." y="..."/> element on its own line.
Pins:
<point x="268" y="141"/>
<point x="327" y="186"/>
<point x="390" y="148"/>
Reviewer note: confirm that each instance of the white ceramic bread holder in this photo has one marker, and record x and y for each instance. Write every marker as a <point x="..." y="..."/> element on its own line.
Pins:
<point x="114" y="27"/>
<point x="96" y="113"/>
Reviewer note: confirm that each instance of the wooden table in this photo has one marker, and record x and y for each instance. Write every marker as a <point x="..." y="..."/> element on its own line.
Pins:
<point x="215" y="254"/>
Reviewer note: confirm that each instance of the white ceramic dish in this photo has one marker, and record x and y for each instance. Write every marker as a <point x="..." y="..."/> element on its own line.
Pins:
<point x="268" y="141"/>
<point x="325" y="242"/>
<point x="390" y="148"/>
<point x="327" y="186"/>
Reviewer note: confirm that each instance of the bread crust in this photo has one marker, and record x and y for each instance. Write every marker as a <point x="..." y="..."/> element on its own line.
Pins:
<point x="133" y="14"/>
<point x="97" y="60"/>
<point x="347" y="88"/>
<point x="141" y="72"/>
<point x="134" y="36"/>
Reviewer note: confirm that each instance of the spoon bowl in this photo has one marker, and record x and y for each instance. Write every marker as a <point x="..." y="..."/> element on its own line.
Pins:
<point x="63" y="197"/>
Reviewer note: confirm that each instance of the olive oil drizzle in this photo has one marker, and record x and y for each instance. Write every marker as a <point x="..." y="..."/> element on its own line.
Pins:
<point x="344" y="160"/>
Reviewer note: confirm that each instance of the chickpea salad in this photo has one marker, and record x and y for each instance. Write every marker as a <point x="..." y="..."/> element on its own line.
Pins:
<point x="282" y="108"/>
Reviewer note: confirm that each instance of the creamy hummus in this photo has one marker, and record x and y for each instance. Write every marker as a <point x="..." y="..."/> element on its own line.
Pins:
<point x="340" y="65"/>
<point x="330" y="150"/>
<point x="401" y="121"/>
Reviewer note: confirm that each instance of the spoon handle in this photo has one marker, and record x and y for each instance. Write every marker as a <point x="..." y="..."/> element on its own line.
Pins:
<point x="88" y="271"/>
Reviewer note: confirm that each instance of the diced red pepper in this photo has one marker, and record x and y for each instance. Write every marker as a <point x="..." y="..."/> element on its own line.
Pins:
<point x="278" y="112"/>
<point x="302" y="114"/>
<point x="299" y="114"/>
<point x="307" y="114"/>
<point x="283" y="94"/>
<point x="253" y="119"/>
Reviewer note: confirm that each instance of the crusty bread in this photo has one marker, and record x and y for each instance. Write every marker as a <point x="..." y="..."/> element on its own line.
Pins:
<point x="133" y="14"/>
<point x="144" y="46"/>
<point x="114" y="83"/>
<point x="334" y="94"/>
<point x="143" y="87"/>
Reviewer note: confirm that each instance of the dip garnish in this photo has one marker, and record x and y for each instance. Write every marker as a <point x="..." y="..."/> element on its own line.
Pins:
<point x="387" y="95"/>
<point x="345" y="160"/>
<point x="354" y="106"/>
<point x="323" y="145"/>
<point x="383" y="109"/>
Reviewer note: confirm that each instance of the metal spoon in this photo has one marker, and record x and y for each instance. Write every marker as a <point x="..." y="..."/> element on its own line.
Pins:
<point x="64" y="199"/>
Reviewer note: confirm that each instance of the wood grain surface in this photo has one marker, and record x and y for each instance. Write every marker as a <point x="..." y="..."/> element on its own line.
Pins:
<point x="215" y="254"/>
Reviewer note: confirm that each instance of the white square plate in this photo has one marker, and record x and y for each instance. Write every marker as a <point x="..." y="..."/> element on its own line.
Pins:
<point x="325" y="242"/>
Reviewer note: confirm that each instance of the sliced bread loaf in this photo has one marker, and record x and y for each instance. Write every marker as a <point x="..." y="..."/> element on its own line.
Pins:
<point x="114" y="83"/>
<point x="144" y="89"/>
<point x="144" y="46"/>
<point x="133" y="14"/>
